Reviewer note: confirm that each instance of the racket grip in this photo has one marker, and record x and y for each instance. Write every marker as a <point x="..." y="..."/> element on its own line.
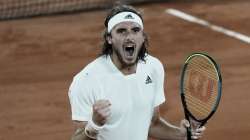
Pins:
<point x="189" y="133"/>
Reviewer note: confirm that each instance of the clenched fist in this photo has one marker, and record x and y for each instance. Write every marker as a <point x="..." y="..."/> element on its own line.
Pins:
<point x="101" y="112"/>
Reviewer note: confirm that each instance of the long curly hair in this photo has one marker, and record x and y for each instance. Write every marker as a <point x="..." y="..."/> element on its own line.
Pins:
<point x="106" y="47"/>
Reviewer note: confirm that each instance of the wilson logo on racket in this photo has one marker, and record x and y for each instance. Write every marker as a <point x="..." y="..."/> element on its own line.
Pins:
<point x="200" y="86"/>
<point x="148" y="80"/>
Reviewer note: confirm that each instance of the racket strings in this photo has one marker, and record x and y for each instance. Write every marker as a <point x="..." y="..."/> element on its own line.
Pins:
<point x="198" y="109"/>
<point x="197" y="106"/>
<point x="208" y="104"/>
<point x="200" y="113"/>
<point x="213" y="90"/>
<point x="211" y="73"/>
<point x="200" y="105"/>
<point x="205" y="65"/>
<point x="196" y="103"/>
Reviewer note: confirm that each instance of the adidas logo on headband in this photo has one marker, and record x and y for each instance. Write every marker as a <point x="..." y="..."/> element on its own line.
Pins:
<point x="129" y="16"/>
<point x="123" y="17"/>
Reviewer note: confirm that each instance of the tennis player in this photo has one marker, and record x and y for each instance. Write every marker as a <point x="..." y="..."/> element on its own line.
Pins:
<point x="117" y="96"/>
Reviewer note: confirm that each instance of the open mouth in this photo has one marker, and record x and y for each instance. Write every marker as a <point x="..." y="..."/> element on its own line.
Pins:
<point x="129" y="50"/>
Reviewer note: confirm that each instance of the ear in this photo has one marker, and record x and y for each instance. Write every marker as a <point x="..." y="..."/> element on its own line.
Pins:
<point x="109" y="39"/>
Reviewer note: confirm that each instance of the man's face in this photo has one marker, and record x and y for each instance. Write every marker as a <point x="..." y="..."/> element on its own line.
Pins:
<point x="126" y="39"/>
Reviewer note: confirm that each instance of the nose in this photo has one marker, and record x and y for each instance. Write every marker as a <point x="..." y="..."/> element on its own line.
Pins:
<point x="129" y="37"/>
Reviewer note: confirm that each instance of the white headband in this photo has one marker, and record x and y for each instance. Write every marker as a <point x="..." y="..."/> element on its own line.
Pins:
<point x="122" y="17"/>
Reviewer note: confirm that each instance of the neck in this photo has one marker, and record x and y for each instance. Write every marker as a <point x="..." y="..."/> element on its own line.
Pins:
<point x="126" y="69"/>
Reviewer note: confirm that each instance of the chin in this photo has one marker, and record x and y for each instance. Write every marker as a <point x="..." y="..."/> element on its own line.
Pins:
<point x="130" y="62"/>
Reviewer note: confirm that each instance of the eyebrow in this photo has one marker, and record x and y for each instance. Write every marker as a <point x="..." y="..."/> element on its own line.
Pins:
<point x="124" y="28"/>
<point x="136" y="28"/>
<point x="121" y="29"/>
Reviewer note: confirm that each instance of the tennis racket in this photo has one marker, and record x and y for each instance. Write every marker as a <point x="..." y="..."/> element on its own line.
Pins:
<point x="200" y="89"/>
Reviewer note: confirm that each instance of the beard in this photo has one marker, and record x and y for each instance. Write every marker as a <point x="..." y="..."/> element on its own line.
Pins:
<point x="123" y="63"/>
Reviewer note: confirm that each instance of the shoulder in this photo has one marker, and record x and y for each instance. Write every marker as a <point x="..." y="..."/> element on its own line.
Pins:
<point x="98" y="66"/>
<point x="153" y="60"/>
<point x="154" y="63"/>
<point x="90" y="71"/>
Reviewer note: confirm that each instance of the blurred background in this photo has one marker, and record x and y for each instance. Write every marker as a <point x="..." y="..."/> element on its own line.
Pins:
<point x="44" y="43"/>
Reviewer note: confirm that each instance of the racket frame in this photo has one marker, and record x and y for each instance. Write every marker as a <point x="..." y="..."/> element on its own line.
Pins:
<point x="187" y="113"/>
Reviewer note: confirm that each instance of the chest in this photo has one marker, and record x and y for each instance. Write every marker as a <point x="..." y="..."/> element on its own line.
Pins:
<point x="132" y="95"/>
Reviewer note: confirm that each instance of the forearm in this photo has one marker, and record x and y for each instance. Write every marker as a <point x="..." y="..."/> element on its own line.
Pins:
<point x="161" y="129"/>
<point x="80" y="135"/>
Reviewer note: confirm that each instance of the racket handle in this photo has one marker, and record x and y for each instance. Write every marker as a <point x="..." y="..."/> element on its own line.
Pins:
<point x="189" y="133"/>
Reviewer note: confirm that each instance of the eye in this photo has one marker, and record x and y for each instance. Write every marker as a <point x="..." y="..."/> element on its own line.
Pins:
<point x="136" y="29"/>
<point x="121" y="30"/>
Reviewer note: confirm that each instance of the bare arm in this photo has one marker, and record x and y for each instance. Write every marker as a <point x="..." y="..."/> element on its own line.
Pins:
<point x="161" y="129"/>
<point x="101" y="112"/>
<point x="166" y="131"/>
<point x="79" y="131"/>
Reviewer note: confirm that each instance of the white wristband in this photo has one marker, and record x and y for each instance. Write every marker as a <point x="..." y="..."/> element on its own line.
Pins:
<point x="95" y="126"/>
<point x="92" y="130"/>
